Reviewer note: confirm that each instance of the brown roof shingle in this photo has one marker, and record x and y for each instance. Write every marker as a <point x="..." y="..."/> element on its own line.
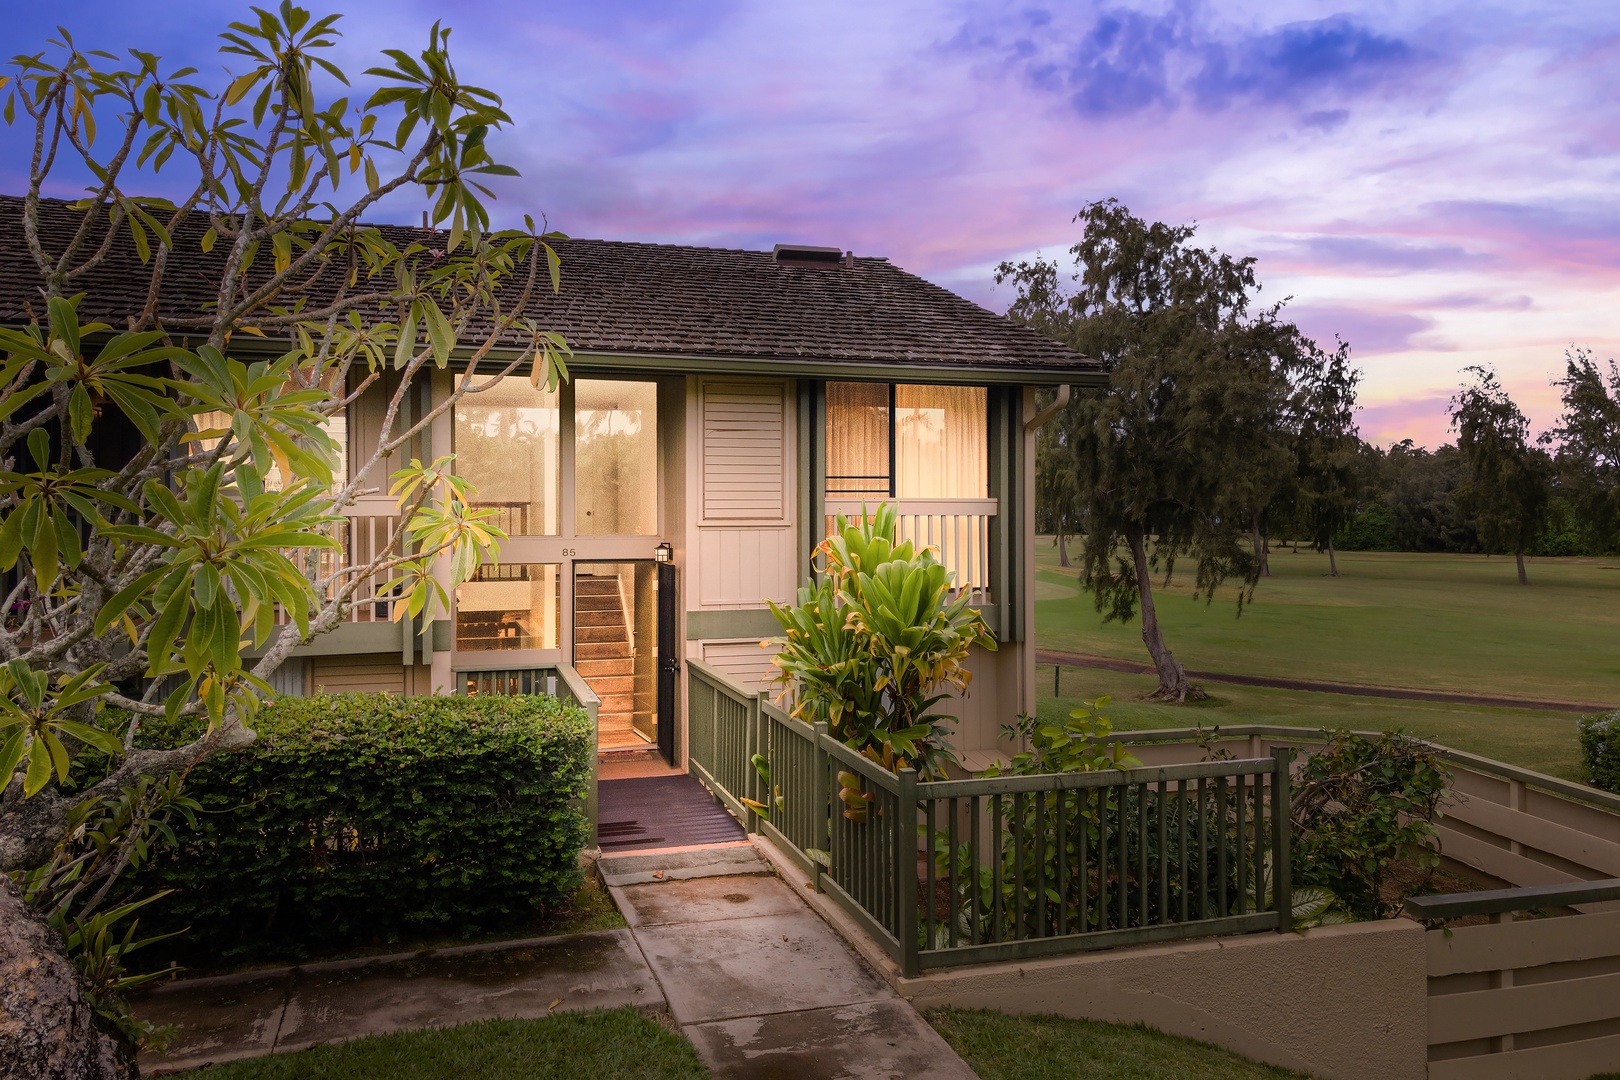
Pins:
<point x="633" y="298"/>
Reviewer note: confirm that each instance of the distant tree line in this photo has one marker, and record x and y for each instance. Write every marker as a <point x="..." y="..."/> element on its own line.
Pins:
<point x="1414" y="499"/>
<point x="1223" y="428"/>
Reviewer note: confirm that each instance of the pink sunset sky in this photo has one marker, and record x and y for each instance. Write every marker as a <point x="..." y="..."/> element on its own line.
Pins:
<point x="1434" y="182"/>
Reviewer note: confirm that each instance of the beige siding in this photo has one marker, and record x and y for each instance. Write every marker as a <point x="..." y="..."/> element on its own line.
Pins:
<point x="363" y="428"/>
<point x="744" y="662"/>
<point x="990" y="701"/>
<point x="741" y="568"/>
<point x="745" y="459"/>
<point x="380" y="673"/>
<point x="741" y="543"/>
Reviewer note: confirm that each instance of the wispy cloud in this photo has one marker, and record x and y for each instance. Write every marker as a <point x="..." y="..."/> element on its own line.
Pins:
<point x="1432" y="180"/>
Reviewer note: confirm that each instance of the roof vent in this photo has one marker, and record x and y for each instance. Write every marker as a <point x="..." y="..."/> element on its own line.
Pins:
<point x="802" y="255"/>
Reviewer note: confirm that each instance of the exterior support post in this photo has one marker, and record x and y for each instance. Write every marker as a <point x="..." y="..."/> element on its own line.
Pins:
<point x="905" y="869"/>
<point x="1282" y="827"/>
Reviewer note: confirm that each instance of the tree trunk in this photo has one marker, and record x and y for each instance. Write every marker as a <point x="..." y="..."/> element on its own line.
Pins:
<point x="1333" y="563"/>
<point x="1260" y="546"/>
<point x="48" y="1029"/>
<point x="1063" y="550"/>
<point x="1518" y="553"/>
<point x="1173" y="685"/>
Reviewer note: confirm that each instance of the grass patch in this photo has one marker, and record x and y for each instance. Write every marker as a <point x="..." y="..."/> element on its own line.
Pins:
<point x="619" y="1043"/>
<point x="1430" y="622"/>
<point x="1001" y="1047"/>
<point x="1544" y="741"/>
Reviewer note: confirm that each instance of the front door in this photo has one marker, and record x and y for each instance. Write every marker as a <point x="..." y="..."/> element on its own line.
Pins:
<point x="669" y="661"/>
<point x="616" y="648"/>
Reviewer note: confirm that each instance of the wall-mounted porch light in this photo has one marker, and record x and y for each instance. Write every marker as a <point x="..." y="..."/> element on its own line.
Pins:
<point x="664" y="552"/>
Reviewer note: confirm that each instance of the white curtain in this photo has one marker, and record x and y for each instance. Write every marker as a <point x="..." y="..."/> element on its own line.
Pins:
<point x="858" y="439"/>
<point x="942" y="442"/>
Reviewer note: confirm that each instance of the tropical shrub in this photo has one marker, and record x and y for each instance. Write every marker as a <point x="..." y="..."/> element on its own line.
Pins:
<point x="1600" y="749"/>
<point x="874" y="644"/>
<point x="1361" y="805"/>
<point x="362" y="818"/>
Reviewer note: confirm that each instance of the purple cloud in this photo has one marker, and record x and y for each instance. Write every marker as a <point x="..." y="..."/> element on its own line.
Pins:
<point x="1413" y="174"/>
<point x="1367" y="331"/>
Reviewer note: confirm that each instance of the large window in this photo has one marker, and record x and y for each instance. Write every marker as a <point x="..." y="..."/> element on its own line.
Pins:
<point x="507" y="441"/>
<point x="615" y="458"/>
<point x="906" y="441"/>
<point x="512" y="606"/>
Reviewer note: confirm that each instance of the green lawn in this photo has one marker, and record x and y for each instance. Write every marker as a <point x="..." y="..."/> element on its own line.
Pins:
<point x="620" y="1043"/>
<point x="1001" y="1047"/>
<point x="1544" y="741"/>
<point x="1436" y="622"/>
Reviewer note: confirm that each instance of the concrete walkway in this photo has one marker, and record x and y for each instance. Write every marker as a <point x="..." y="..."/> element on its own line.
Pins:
<point x="284" y="1009"/>
<point x="758" y="981"/>
<point x="761" y="985"/>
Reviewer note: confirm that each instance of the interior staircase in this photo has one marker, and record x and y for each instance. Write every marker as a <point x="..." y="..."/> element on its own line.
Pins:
<point x="603" y="658"/>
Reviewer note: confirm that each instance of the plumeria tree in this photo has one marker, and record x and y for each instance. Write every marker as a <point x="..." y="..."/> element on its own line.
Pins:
<point x="174" y="572"/>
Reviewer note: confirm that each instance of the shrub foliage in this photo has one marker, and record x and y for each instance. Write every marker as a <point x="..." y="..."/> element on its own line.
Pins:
<point x="361" y="818"/>
<point x="1600" y="749"/>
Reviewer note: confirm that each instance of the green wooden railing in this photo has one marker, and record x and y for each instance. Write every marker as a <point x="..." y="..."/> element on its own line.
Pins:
<point x="954" y="872"/>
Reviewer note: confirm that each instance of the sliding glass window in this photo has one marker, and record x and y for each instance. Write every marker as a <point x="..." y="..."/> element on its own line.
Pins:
<point x="507" y="443"/>
<point x="509" y="606"/>
<point x="907" y="441"/>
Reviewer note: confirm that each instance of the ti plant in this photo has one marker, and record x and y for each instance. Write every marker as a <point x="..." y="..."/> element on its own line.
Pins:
<point x="873" y="645"/>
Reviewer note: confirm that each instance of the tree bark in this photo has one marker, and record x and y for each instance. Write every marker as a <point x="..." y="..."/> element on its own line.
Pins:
<point x="1260" y="546"/>
<point x="1063" y="550"/>
<point x="1518" y="553"/>
<point x="1173" y="684"/>
<point x="1333" y="563"/>
<point x="48" y="1029"/>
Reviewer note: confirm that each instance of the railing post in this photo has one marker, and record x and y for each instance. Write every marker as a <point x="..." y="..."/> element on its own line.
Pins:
<point x="819" y="799"/>
<point x="905" y="869"/>
<point x="1282" y="828"/>
<point x="753" y="744"/>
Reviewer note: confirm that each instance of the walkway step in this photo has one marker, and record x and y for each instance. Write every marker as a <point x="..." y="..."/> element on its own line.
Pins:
<point x="644" y="868"/>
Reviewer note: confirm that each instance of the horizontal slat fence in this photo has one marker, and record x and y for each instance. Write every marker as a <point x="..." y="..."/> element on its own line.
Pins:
<point x="957" y="872"/>
<point x="1529" y="997"/>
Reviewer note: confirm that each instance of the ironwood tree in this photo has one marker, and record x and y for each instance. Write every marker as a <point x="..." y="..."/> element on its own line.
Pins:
<point x="1328" y="458"/>
<point x="172" y="576"/>
<point x="1170" y="460"/>
<point x="1588" y="445"/>
<point x="1509" y="483"/>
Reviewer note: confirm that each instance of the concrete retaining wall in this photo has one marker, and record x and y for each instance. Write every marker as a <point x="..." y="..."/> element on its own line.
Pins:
<point x="1338" y="1002"/>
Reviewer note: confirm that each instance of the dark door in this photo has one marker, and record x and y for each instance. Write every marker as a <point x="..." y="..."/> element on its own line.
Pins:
<point x="669" y="662"/>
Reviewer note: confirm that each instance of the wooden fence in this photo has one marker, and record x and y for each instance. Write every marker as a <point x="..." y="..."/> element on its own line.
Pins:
<point x="1515" y="825"/>
<point x="1533" y="997"/>
<point x="954" y="872"/>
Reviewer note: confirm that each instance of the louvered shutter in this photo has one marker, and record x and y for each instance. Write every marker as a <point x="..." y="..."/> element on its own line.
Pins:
<point x="744" y="451"/>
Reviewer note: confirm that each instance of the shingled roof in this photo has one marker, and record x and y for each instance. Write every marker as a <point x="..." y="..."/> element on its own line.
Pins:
<point x="635" y="299"/>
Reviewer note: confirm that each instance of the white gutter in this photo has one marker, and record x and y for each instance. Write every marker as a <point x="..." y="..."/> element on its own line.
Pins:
<point x="1039" y="419"/>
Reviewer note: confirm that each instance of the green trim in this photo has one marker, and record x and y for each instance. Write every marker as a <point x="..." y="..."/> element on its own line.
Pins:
<point x="347" y="638"/>
<point x="947" y="374"/>
<point x="743" y="623"/>
<point x="441" y="635"/>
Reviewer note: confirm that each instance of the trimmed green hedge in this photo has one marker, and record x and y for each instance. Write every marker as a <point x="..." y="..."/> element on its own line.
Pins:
<point x="1600" y="749"/>
<point x="358" y="819"/>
